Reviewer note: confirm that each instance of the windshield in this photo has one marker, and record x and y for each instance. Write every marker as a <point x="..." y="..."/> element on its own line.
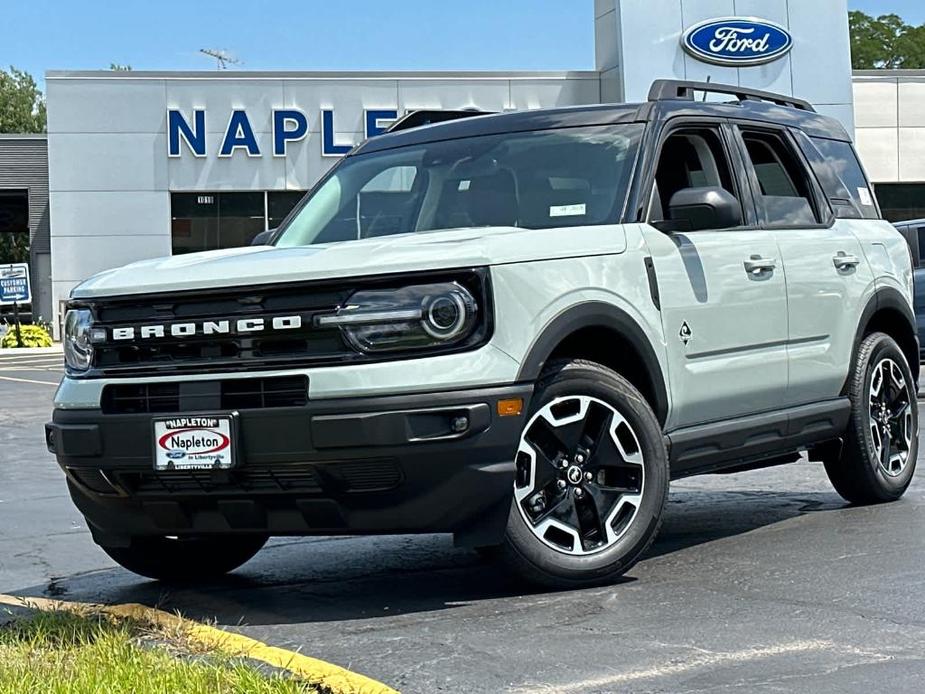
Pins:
<point x="532" y="180"/>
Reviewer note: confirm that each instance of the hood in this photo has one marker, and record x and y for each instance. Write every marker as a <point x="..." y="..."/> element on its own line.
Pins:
<point x="435" y="250"/>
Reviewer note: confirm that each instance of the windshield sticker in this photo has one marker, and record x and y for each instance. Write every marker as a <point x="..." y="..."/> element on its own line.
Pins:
<point x="464" y="185"/>
<point x="568" y="210"/>
<point x="864" y="195"/>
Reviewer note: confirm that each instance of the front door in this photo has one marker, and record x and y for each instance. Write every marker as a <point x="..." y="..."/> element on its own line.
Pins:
<point x="722" y="291"/>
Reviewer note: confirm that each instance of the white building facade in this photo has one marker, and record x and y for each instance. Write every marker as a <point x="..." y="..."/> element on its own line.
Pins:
<point x="146" y="164"/>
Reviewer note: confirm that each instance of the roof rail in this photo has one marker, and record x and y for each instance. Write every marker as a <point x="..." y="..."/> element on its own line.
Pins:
<point x="678" y="89"/>
<point x="414" y="119"/>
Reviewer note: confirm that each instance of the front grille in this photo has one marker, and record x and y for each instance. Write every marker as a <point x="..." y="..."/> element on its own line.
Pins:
<point x="228" y="394"/>
<point x="243" y="329"/>
<point x="218" y="350"/>
<point x="302" y="478"/>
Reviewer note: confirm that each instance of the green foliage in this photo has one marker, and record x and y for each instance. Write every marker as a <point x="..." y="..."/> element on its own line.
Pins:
<point x="22" y="106"/>
<point x="14" y="247"/>
<point x="32" y="336"/>
<point x="885" y="42"/>
<point x="62" y="653"/>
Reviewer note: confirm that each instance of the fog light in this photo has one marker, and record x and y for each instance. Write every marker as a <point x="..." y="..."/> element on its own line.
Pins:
<point x="459" y="424"/>
<point x="511" y="407"/>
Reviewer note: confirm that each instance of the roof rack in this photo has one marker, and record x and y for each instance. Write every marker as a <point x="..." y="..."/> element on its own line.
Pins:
<point x="678" y="89"/>
<point x="414" y="119"/>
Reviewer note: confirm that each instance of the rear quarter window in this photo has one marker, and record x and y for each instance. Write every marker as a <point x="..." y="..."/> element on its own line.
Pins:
<point x="843" y="160"/>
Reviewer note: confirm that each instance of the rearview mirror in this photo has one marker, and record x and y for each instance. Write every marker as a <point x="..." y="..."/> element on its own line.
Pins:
<point x="263" y="238"/>
<point x="705" y="208"/>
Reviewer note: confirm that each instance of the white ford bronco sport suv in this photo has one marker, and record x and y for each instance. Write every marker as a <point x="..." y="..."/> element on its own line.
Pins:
<point x="515" y="328"/>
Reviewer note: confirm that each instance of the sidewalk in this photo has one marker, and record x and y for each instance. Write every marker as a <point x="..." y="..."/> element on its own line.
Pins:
<point x="11" y="351"/>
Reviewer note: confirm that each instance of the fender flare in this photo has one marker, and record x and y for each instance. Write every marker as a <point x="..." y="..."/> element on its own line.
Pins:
<point x="886" y="298"/>
<point x="597" y="314"/>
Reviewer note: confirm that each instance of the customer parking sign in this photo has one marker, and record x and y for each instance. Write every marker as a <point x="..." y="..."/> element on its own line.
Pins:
<point x="14" y="284"/>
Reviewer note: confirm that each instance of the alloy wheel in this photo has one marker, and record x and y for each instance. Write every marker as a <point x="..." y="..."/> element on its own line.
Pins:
<point x="891" y="424"/>
<point x="580" y="475"/>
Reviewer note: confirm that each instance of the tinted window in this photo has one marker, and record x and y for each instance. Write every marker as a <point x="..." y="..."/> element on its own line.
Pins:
<point x="900" y="202"/>
<point x="785" y="192"/>
<point x="209" y="221"/>
<point x="920" y="235"/>
<point x="533" y="180"/>
<point x="842" y="157"/>
<point x="279" y="204"/>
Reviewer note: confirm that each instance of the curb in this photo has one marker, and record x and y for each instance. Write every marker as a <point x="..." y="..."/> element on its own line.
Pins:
<point x="332" y="678"/>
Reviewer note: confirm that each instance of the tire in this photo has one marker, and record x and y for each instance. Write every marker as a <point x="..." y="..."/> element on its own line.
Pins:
<point x="866" y="472"/>
<point x="186" y="559"/>
<point x="611" y="490"/>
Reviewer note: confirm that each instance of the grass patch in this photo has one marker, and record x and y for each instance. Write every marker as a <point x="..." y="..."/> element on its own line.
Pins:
<point x="57" y="652"/>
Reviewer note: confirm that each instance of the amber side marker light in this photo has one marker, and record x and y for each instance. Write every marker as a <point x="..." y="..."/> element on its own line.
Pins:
<point x="512" y="407"/>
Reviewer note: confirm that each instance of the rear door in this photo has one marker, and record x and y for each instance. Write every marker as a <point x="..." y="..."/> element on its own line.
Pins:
<point x="827" y="276"/>
<point x="722" y="293"/>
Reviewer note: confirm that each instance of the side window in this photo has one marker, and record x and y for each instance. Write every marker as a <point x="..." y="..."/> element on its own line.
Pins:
<point x="690" y="158"/>
<point x="842" y="157"/>
<point x="920" y="249"/>
<point x="785" y="191"/>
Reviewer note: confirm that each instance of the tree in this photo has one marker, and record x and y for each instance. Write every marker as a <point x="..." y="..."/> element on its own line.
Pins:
<point x="22" y="106"/>
<point x="885" y="42"/>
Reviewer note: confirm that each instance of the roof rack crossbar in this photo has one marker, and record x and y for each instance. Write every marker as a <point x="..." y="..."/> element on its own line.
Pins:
<point x="663" y="90"/>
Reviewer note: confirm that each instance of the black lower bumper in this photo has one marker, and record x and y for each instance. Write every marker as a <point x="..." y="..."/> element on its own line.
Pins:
<point x="397" y="464"/>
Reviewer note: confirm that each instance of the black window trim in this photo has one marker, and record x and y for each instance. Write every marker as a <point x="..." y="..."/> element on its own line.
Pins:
<point x="823" y="207"/>
<point x="721" y="125"/>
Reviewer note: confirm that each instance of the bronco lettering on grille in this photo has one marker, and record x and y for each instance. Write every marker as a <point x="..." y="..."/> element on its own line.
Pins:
<point x="209" y="327"/>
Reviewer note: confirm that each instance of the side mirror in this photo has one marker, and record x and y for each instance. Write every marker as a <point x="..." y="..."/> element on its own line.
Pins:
<point x="263" y="238"/>
<point x="705" y="208"/>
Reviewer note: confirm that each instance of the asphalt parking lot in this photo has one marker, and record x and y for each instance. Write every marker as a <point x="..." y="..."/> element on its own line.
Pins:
<point x="761" y="582"/>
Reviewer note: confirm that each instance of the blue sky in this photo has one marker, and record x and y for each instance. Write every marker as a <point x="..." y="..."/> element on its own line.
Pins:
<point x="316" y="34"/>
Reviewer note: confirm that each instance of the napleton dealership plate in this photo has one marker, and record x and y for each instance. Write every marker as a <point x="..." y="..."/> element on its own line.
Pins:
<point x="200" y="442"/>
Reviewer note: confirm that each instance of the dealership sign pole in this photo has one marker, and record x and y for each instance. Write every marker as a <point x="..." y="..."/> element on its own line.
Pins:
<point x="15" y="289"/>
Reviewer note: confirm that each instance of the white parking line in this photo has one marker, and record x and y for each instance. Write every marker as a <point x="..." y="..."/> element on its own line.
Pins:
<point x="28" y="380"/>
<point x="609" y="683"/>
<point x="11" y="364"/>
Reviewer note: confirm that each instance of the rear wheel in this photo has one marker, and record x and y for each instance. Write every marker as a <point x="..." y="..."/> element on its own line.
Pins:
<point x="186" y="559"/>
<point x="877" y="460"/>
<point x="591" y="481"/>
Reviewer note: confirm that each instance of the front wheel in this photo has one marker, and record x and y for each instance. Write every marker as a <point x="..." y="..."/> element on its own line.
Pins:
<point x="186" y="559"/>
<point x="877" y="460"/>
<point x="591" y="479"/>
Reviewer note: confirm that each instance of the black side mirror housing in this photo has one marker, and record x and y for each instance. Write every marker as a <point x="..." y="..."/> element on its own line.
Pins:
<point x="705" y="208"/>
<point x="263" y="238"/>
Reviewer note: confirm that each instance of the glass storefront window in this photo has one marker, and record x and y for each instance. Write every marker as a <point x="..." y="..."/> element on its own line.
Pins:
<point x="279" y="204"/>
<point x="208" y="221"/>
<point x="900" y="202"/>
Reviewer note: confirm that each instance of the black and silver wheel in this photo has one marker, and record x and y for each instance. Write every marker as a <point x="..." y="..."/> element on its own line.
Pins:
<point x="877" y="460"/>
<point x="183" y="559"/>
<point x="890" y="420"/>
<point x="591" y="478"/>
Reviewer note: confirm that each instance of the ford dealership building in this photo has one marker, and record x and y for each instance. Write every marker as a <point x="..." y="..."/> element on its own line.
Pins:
<point x="145" y="164"/>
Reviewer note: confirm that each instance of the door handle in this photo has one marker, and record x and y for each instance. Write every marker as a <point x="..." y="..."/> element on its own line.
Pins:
<point x="844" y="261"/>
<point x="757" y="265"/>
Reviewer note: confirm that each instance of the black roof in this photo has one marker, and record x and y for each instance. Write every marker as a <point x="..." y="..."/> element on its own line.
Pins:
<point x="668" y="99"/>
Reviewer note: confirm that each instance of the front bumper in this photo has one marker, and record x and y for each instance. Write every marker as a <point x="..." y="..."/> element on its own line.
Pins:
<point x="345" y="466"/>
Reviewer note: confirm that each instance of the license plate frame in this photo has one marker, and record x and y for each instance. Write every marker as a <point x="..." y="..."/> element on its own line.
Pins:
<point x="195" y="442"/>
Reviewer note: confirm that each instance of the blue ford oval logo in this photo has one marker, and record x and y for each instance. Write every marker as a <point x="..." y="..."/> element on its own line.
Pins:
<point x="737" y="41"/>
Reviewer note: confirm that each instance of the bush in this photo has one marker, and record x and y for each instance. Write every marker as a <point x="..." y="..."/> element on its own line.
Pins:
<point x="32" y="336"/>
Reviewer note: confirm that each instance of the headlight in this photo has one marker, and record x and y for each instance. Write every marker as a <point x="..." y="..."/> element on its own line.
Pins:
<point x="420" y="316"/>
<point x="78" y="352"/>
